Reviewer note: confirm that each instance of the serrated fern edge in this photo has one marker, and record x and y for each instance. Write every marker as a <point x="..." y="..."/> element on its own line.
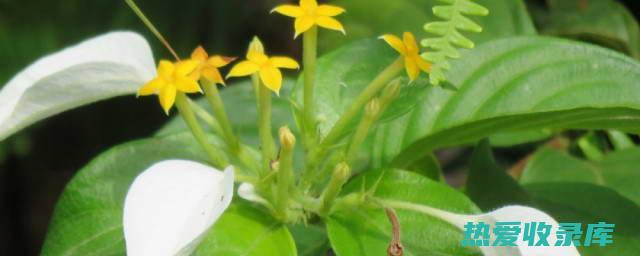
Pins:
<point x="448" y="37"/>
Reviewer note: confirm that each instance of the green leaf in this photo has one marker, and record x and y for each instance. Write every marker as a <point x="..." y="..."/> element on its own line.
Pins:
<point x="590" y="204"/>
<point x="311" y="240"/>
<point x="605" y="22"/>
<point x="617" y="170"/>
<point x="362" y="231"/>
<point x="488" y="185"/>
<point x="506" y="18"/>
<point x="517" y="84"/>
<point x="246" y="230"/>
<point x="88" y="217"/>
<point x="508" y="139"/>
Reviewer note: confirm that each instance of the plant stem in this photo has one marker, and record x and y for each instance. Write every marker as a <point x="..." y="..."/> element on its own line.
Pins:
<point x="151" y="27"/>
<point x="182" y="103"/>
<point x="213" y="97"/>
<point x="205" y="117"/>
<point x="264" y="127"/>
<point x="369" y="92"/>
<point x="372" y="111"/>
<point x="340" y="176"/>
<point x="354" y="109"/>
<point x="285" y="171"/>
<point x="309" y="54"/>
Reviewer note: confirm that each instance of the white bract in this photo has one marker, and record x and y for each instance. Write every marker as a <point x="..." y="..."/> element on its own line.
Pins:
<point x="170" y="207"/>
<point x="103" y="67"/>
<point x="520" y="214"/>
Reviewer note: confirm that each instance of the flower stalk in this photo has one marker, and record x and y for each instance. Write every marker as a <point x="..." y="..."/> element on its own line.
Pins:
<point x="389" y="73"/>
<point x="212" y="95"/>
<point x="309" y="55"/>
<point x="285" y="171"/>
<point x="189" y="117"/>
<point x="371" y="112"/>
<point x="264" y="126"/>
<point x="340" y="176"/>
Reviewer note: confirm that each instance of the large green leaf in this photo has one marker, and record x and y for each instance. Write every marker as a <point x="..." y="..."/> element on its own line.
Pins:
<point x="488" y="185"/>
<point x="519" y="84"/>
<point x="590" y="204"/>
<point x="617" y="170"/>
<point x="507" y="18"/>
<point x="362" y="231"/>
<point x="606" y="22"/>
<point x="88" y="217"/>
<point x="245" y="230"/>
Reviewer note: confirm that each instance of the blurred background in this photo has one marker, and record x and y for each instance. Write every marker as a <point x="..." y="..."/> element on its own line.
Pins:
<point x="36" y="164"/>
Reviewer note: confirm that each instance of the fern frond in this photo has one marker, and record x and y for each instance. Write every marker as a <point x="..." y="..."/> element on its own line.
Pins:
<point x="448" y="37"/>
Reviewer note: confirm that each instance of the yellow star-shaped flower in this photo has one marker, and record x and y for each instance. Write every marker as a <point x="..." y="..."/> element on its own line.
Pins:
<point x="309" y="13"/>
<point x="267" y="67"/>
<point x="172" y="78"/>
<point x="408" y="48"/>
<point x="208" y="66"/>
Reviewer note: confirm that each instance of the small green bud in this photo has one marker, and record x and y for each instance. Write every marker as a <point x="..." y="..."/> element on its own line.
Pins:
<point x="287" y="139"/>
<point x="373" y="108"/>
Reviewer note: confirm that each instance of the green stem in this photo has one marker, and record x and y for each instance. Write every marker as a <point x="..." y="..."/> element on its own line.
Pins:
<point x="213" y="97"/>
<point x="354" y="109"/>
<point x="264" y="127"/>
<point x="205" y="117"/>
<point x="285" y="171"/>
<point x="182" y="103"/>
<point x="151" y="27"/>
<point x="370" y="116"/>
<point x="309" y="54"/>
<point x="340" y="176"/>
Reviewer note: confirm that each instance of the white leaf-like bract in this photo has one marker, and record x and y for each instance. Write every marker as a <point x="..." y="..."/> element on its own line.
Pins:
<point x="519" y="214"/>
<point x="171" y="206"/>
<point x="102" y="67"/>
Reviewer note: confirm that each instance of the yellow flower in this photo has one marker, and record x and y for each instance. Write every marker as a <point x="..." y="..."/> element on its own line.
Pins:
<point x="208" y="66"/>
<point x="172" y="78"/>
<point x="267" y="67"/>
<point x="408" y="48"/>
<point x="309" y="13"/>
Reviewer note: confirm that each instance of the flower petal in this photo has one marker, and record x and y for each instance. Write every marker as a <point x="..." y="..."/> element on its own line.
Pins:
<point x="289" y="10"/>
<point x="171" y="206"/>
<point x="152" y="87"/>
<point x="308" y="4"/>
<point x="103" y="67"/>
<point x="410" y="43"/>
<point x="212" y="74"/>
<point x="423" y="64"/>
<point x="284" y="62"/>
<point x="220" y="61"/>
<point x="330" y="23"/>
<point x="395" y="42"/>
<point x="413" y="71"/>
<point x="185" y="67"/>
<point x="272" y="78"/>
<point x="187" y="85"/>
<point x="166" y="68"/>
<point x="199" y="54"/>
<point x="167" y="97"/>
<point x="302" y="24"/>
<point x="255" y="48"/>
<point x="329" y="10"/>
<point x="243" y="68"/>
